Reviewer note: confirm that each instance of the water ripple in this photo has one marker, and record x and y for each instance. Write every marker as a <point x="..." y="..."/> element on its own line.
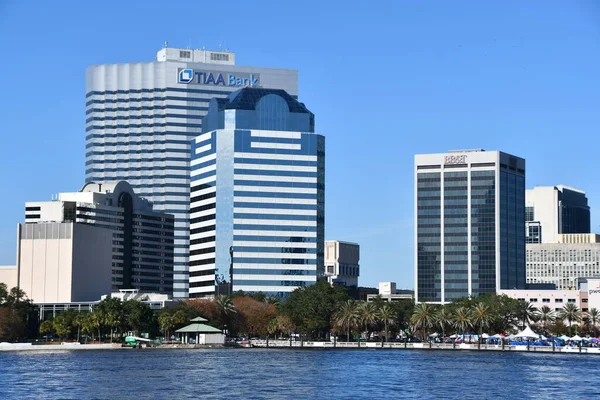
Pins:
<point x="292" y="374"/>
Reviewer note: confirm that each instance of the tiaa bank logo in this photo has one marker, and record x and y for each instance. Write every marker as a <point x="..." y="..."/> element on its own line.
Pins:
<point x="186" y="75"/>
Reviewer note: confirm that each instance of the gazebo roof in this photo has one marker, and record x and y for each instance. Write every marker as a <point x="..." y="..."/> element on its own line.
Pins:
<point x="198" y="328"/>
<point x="199" y="319"/>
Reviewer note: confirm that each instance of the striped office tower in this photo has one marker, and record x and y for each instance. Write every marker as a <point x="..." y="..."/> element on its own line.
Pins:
<point x="257" y="196"/>
<point x="141" y="117"/>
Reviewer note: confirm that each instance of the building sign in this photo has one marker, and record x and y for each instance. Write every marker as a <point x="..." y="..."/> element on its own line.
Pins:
<point x="195" y="77"/>
<point x="449" y="160"/>
<point x="593" y="286"/>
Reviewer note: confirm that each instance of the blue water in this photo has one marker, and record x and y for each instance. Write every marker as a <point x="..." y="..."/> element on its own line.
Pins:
<point x="296" y="374"/>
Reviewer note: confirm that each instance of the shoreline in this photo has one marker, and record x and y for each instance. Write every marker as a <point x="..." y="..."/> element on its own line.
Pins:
<point x="285" y="345"/>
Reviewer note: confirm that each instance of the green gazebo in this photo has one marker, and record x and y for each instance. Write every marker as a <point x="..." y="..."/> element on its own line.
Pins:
<point x="200" y="333"/>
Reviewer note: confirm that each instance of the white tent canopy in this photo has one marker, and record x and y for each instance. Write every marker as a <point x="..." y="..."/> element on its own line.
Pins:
<point x="485" y="336"/>
<point x="565" y="337"/>
<point x="527" y="333"/>
<point x="577" y="338"/>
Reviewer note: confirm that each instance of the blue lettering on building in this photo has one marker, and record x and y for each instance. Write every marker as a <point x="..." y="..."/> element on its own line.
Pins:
<point x="189" y="76"/>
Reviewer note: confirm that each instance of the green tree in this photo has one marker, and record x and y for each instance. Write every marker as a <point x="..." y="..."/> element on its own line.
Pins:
<point x="347" y="316"/>
<point x="47" y="328"/>
<point x="139" y="317"/>
<point x="167" y="323"/>
<point x="18" y="317"/>
<point x="527" y="313"/>
<point x="62" y="325"/>
<point x="443" y="318"/>
<point x="3" y="292"/>
<point x="546" y="317"/>
<point x="571" y="313"/>
<point x="593" y="317"/>
<point x="367" y="312"/>
<point x="110" y="311"/>
<point x="311" y="308"/>
<point x="481" y="317"/>
<point x="423" y="318"/>
<point x="386" y="315"/>
<point x="463" y="319"/>
<point x="226" y="308"/>
<point x="89" y="324"/>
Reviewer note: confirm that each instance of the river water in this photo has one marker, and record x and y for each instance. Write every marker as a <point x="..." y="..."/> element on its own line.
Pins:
<point x="296" y="374"/>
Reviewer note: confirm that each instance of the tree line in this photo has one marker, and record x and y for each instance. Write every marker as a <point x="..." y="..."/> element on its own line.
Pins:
<point x="315" y="312"/>
<point x="491" y="313"/>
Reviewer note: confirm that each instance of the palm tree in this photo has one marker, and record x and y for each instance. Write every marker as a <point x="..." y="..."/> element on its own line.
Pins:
<point x="481" y="317"/>
<point x="546" y="316"/>
<point x="443" y="318"/>
<point x="226" y="307"/>
<point x="423" y="317"/>
<point x="347" y="316"/>
<point x="527" y="313"/>
<point x="462" y="319"/>
<point x="593" y="318"/>
<point x="571" y="313"/>
<point x="367" y="314"/>
<point x="386" y="315"/>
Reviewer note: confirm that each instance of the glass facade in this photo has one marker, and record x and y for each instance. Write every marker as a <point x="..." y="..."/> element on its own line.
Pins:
<point x="429" y="274"/>
<point x="483" y="232"/>
<point x="264" y="226"/>
<point x="512" y="230"/>
<point x="456" y="269"/>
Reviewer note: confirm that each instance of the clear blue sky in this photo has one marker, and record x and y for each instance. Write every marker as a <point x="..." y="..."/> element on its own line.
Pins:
<point x="385" y="80"/>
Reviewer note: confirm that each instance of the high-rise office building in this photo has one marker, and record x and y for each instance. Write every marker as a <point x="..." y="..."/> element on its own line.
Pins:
<point x="257" y="196"/>
<point x="142" y="239"/>
<point x="140" y="118"/>
<point x="555" y="210"/>
<point x="341" y="262"/>
<point x="469" y="224"/>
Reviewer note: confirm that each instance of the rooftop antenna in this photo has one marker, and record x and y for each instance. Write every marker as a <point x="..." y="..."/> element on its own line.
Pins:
<point x="166" y="45"/>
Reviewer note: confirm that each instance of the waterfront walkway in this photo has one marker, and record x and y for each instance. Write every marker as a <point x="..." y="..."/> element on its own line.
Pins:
<point x="420" y="346"/>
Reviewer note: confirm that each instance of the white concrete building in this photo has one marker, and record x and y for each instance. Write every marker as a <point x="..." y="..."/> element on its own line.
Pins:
<point x="141" y="118"/>
<point x="554" y="210"/>
<point x="389" y="293"/>
<point x="9" y="276"/>
<point x="64" y="262"/>
<point x="572" y="256"/>
<point x="469" y="224"/>
<point x="342" y="262"/>
<point x="554" y="299"/>
<point x="142" y="243"/>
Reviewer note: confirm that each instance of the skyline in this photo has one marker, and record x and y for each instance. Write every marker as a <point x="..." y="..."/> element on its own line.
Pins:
<point x="514" y="71"/>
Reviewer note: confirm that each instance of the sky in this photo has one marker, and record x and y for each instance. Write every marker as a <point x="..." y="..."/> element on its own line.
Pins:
<point x="385" y="80"/>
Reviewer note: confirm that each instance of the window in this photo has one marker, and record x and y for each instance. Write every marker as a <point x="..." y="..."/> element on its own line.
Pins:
<point x="558" y="300"/>
<point x="545" y="300"/>
<point x="557" y="309"/>
<point x="571" y="300"/>
<point x="584" y="300"/>
<point x="520" y="299"/>
<point x="584" y="309"/>
<point x="185" y="54"/>
<point x="533" y="300"/>
<point x="219" y="57"/>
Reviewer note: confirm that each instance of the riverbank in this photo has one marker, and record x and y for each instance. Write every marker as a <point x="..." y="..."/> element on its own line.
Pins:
<point x="286" y="344"/>
<point x="54" y="347"/>
<point x="308" y="345"/>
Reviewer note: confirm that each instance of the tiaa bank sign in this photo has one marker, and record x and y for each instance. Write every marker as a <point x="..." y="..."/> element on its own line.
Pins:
<point x="194" y="77"/>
